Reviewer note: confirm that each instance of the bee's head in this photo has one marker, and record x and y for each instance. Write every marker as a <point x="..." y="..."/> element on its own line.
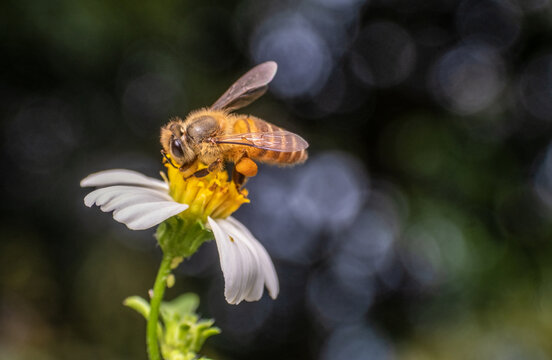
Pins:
<point x="175" y="142"/>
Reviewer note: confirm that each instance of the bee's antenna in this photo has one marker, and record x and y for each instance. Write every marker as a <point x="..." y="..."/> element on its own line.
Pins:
<point x="168" y="159"/>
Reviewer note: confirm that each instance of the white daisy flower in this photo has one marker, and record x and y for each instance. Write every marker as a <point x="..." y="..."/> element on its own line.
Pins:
<point x="141" y="202"/>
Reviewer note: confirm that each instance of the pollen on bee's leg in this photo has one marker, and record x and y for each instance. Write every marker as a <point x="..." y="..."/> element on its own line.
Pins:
<point x="247" y="167"/>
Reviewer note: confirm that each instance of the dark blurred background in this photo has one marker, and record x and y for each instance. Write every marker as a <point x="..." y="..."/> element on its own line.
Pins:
<point x="420" y="228"/>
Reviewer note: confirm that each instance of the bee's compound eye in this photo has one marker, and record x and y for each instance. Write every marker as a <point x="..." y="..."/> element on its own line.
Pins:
<point x="176" y="148"/>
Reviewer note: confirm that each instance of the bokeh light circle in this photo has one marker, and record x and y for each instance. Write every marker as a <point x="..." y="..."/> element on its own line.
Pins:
<point x="332" y="303"/>
<point x="329" y="192"/>
<point x="272" y="219"/>
<point x="357" y="342"/>
<point x="467" y="78"/>
<point x="304" y="60"/>
<point x="364" y="250"/>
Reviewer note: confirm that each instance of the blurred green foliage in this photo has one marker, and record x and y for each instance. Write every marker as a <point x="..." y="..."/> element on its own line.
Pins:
<point x="85" y="86"/>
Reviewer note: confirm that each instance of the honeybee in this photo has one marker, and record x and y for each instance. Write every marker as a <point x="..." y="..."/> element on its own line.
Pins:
<point x="214" y="135"/>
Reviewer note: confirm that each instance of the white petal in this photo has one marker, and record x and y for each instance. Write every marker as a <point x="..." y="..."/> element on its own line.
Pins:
<point x="252" y="285"/>
<point x="137" y="207"/>
<point x="103" y="196"/>
<point x="122" y="177"/>
<point x="229" y="263"/>
<point x="132" y="198"/>
<point x="270" y="276"/>
<point x="245" y="263"/>
<point x="143" y="216"/>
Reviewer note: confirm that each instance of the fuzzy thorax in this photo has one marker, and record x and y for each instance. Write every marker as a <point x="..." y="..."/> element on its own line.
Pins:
<point x="212" y="195"/>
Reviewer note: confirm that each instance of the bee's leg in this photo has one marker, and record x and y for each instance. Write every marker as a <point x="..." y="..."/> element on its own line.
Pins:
<point x="244" y="168"/>
<point x="200" y="173"/>
<point x="238" y="179"/>
<point x="204" y="172"/>
<point x="184" y="168"/>
<point x="214" y="165"/>
<point x="168" y="159"/>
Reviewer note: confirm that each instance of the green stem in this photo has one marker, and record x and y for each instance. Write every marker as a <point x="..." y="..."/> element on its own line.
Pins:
<point x="158" y="292"/>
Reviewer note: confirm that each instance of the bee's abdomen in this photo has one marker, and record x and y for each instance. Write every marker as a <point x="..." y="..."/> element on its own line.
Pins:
<point x="278" y="157"/>
<point x="252" y="124"/>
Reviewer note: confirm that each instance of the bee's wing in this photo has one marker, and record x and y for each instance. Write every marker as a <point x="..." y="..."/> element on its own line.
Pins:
<point x="248" y="88"/>
<point x="281" y="140"/>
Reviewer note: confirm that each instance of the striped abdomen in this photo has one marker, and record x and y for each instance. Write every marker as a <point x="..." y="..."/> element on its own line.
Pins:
<point x="251" y="124"/>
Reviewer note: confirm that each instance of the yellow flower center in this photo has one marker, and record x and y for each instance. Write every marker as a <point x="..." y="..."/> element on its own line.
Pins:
<point x="212" y="195"/>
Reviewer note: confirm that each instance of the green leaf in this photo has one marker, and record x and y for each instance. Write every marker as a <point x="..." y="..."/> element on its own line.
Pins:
<point x="176" y="309"/>
<point x="139" y="304"/>
<point x="184" y="333"/>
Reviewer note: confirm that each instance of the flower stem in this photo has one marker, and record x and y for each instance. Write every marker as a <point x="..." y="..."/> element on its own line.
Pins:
<point x="158" y="292"/>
